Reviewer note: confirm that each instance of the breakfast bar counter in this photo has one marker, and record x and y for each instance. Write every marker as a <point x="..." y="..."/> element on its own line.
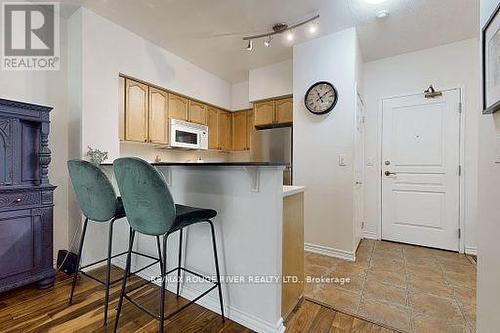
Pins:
<point x="248" y="197"/>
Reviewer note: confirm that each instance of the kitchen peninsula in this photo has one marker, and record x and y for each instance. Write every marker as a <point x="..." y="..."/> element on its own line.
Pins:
<point x="249" y="199"/>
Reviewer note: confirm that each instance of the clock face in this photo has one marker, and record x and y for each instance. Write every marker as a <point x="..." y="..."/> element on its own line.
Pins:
<point x="321" y="97"/>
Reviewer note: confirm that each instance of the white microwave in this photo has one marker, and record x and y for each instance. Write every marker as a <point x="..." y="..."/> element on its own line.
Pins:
<point x="188" y="135"/>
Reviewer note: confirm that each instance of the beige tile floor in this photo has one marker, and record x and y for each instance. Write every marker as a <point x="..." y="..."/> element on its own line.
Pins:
<point x="409" y="288"/>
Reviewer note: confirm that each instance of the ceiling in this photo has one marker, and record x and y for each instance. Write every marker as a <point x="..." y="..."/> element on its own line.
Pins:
<point x="208" y="32"/>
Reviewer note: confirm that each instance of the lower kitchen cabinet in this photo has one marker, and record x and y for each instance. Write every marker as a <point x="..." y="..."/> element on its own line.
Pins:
<point x="293" y="252"/>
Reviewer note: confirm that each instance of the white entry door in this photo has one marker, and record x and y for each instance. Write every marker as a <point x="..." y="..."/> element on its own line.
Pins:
<point x="420" y="170"/>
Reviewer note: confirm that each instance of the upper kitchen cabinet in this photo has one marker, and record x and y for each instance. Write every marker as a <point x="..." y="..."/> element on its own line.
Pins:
<point x="264" y="113"/>
<point x="121" y="108"/>
<point x="239" y="120"/>
<point x="250" y="128"/>
<point x="158" y="116"/>
<point x="136" y="111"/>
<point x="273" y="112"/>
<point x="213" y="127"/>
<point x="283" y="110"/>
<point x="197" y="113"/>
<point x="224" y="131"/>
<point x="178" y="107"/>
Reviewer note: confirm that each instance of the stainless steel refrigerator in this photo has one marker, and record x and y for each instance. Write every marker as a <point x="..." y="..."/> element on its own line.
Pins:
<point x="274" y="145"/>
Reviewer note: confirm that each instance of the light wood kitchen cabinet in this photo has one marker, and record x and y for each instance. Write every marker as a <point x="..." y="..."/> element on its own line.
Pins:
<point x="283" y="110"/>
<point x="121" y="108"/>
<point x="213" y="127"/>
<point x="273" y="112"/>
<point x="197" y="113"/>
<point x="177" y="107"/>
<point x="239" y="131"/>
<point x="224" y="131"/>
<point x="158" y="116"/>
<point x="264" y="113"/>
<point x="250" y="128"/>
<point x="293" y="252"/>
<point x="136" y="111"/>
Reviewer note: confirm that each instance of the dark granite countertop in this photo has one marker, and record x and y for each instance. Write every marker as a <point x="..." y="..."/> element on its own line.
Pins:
<point x="236" y="164"/>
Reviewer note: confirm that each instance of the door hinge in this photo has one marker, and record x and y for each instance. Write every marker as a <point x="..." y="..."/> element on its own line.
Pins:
<point x="459" y="107"/>
<point x="362" y="225"/>
<point x="459" y="233"/>
<point x="459" y="170"/>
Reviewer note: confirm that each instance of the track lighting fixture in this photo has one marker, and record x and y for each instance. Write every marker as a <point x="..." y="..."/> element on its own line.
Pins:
<point x="267" y="43"/>
<point x="281" y="28"/>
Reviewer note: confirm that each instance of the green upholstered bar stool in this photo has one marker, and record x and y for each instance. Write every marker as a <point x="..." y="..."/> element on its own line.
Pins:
<point x="99" y="203"/>
<point x="151" y="211"/>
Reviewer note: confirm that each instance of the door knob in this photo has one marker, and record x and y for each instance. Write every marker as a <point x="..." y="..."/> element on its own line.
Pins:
<point x="388" y="173"/>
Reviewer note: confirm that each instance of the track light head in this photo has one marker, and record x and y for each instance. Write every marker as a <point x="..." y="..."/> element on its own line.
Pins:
<point x="267" y="43"/>
<point x="250" y="45"/>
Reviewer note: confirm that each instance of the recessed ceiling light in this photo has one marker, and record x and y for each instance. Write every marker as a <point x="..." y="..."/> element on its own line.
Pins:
<point x="382" y="14"/>
<point x="374" y="2"/>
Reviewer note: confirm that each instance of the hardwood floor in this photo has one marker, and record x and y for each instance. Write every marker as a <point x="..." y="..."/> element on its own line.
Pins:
<point x="31" y="310"/>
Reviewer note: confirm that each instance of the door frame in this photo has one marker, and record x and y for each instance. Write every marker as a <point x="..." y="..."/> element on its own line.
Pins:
<point x="461" y="199"/>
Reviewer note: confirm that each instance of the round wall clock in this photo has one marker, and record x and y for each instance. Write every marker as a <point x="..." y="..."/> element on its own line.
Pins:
<point x="321" y="97"/>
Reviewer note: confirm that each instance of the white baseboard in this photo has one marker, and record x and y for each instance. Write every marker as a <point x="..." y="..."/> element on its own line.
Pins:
<point x="370" y="234"/>
<point x="331" y="252"/>
<point x="212" y="303"/>
<point x="472" y="250"/>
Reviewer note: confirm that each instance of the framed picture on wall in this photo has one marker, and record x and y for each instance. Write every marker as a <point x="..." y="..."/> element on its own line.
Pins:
<point x="491" y="63"/>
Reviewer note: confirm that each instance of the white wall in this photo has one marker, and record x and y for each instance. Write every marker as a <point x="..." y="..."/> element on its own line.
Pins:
<point x="109" y="49"/>
<point x="448" y="66"/>
<point x="488" y="297"/>
<point x="320" y="139"/>
<point x="239" y="96"/>
<point x="271" y="81"/>
<point x="48" y="88"/>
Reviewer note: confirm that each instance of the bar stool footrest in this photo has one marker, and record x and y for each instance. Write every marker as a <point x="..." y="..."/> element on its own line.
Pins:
<point x="157" y="317"/>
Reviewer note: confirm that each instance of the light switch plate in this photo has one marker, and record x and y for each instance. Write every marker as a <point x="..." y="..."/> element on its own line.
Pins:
<point x="342" y="160"/>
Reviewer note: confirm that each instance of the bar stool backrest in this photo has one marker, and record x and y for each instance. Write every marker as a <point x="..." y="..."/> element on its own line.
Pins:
<point x="94" y="192"/>
<point x="148" y="203"/>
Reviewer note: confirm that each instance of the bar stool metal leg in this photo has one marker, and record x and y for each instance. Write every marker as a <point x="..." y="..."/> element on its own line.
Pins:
<point x="78" y="258"/>
<point x="159" y="253"/>
<point x="108" y="270"/>
<point x="217" y="269"/>
<point x="179" y="263"/>
<point x="162" y="289"/>
<point x="124" y="281"/>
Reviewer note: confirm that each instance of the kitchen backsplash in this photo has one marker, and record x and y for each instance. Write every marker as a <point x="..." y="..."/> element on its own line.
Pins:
<point x="151" y="153"/>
